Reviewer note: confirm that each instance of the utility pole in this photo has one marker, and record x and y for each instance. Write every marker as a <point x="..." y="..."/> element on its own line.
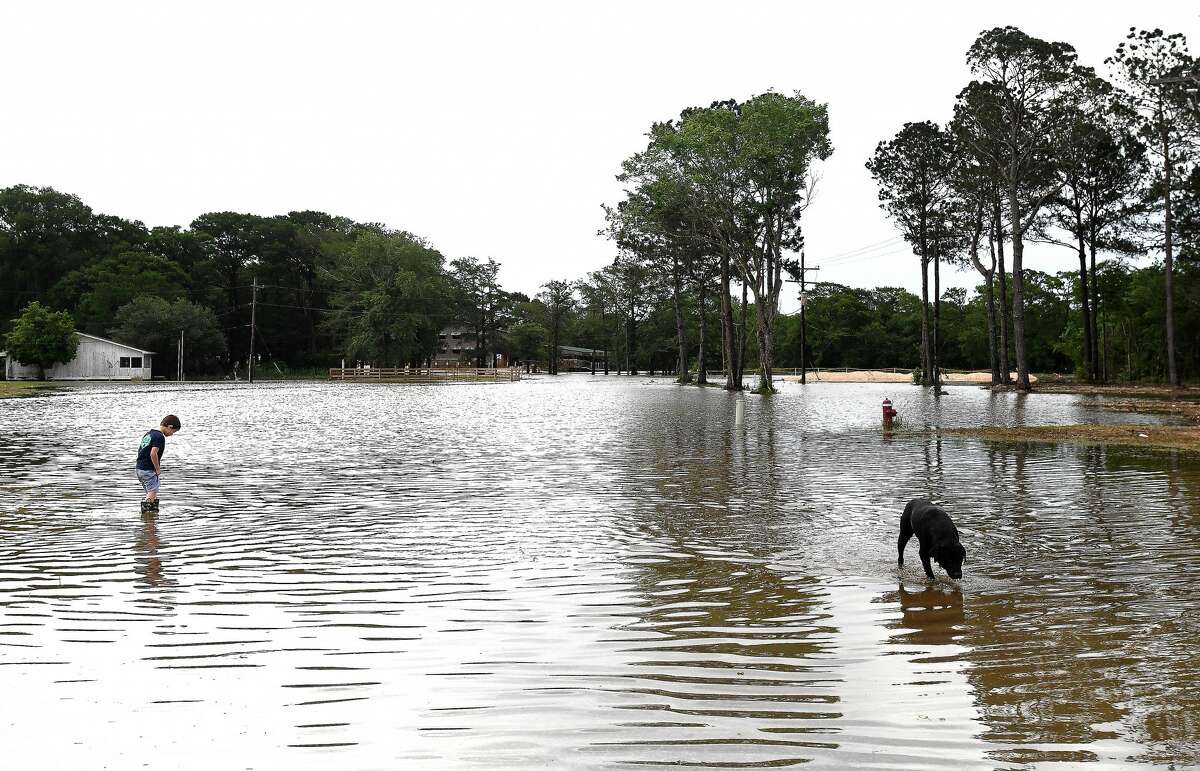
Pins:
<point x="179" y="367"/>
<point x="253" y="308"/>
<point x="803" y="323"/>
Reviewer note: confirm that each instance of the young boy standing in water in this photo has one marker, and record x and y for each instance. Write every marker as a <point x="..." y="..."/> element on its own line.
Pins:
<point x="149" y="460"/>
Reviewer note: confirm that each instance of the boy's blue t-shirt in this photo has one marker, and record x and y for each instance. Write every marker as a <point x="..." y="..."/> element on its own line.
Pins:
<point x="152" y="438"/>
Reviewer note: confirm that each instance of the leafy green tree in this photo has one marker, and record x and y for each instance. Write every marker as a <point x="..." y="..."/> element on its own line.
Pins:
<point x="837" y="320"/>
<point x="749" y="169"/>
<point x="236" y="248"/>
<point x="155" y="324"/>
<point x="707" y="141"/>
<point x="527" y="342"/>
<point x="598" y="299"/>
<point x="42" y="337"/>
<point x="913" y="171"/>
<point x="658" y="222"/>
<point x="703" y="269"/>
<point x="1103" y="167"/>
<point x="1157" y="72"/>
<point x="634" y="295"/>
<point x="1032" y="82"/>
<point x="97" y="290"/>
<point x="45" y="235"/>
<point x="294" y="272"/>
<point x="1053" y="343"/>
<point x="390" y="298"/>
<point x="482" y="304"/>
<point x="977" y="211"/>
<point x="962" y="329"/>
<point x="559" y="299"/>
<point x="1188" y="221"/>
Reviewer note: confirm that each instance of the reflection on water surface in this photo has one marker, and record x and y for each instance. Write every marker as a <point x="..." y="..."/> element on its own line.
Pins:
<point x="586" y="572"/>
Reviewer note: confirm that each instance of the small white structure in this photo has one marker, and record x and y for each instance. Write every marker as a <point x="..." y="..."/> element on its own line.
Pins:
<point x="95" y="359"/>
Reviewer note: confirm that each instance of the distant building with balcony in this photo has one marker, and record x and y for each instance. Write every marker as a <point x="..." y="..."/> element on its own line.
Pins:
<point x="456" y="347"/>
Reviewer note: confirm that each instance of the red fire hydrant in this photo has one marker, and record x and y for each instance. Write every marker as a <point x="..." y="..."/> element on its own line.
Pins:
<point x="888" y="413"/>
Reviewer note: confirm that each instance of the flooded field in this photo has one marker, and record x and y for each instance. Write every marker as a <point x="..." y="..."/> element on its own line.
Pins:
<point x="582" y="573"/>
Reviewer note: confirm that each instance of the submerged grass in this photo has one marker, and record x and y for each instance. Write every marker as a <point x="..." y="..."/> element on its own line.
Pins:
<point x="10" y="388"/>
<point x="1155" y="437"/>
<point x="1180" y="402"/>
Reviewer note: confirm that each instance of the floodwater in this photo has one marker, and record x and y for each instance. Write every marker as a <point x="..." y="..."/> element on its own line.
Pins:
<point x="583" y="573"/>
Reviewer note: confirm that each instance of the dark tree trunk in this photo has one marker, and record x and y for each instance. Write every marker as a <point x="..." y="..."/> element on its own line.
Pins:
<point x="1085" y="304"/>
<point x="728" y="346"/>
<point x="630" y="338"/>
<point x="765" y="357"/>
<point x="553" y="363"/>
<point x="1018" y="296"/>
<point x="926" y="359"/>
<point x="1002" y="274"/>
<point x="989" y="297"/>
<point x="1168" y="258"/>
<point x="935" y="348"/>
<point x="701" y="367"/>
<point x="480" y="342"/>
<point x="681" y="365"/>
<point x="1005" y="323"/>
<point x="1095" y="287"/>
<point x="742" y="332"/>
<point x="993" y="354"/>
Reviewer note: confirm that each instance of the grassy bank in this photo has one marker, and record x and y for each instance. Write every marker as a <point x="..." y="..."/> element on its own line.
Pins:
<point x="1049" y="385"/>
<point x="10" y="388"/>
<point x="1155" y="437"/>
<point x="1115" y="389"/>
<point x="1154" y="399"/>
<point x="1160" y="400"/>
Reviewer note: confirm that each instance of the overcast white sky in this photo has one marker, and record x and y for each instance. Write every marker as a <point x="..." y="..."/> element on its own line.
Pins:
<point x="493" y="129"/>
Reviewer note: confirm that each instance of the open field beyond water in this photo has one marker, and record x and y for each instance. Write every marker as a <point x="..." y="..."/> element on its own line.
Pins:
<point x="582" y="573"/>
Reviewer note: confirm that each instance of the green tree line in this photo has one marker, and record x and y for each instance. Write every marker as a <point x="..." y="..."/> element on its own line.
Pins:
<point x="324" y="287"/>
<point x="1040" y="149"/>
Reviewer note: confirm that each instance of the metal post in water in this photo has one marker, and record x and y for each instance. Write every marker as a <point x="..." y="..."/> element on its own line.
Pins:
<point x="739" y="413"/>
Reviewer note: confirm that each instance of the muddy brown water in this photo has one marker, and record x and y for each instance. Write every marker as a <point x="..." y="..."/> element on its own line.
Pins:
<point x="583" y="573"/>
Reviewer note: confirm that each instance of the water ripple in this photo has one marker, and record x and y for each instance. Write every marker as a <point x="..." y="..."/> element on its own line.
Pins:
<point x="586" y="572"/>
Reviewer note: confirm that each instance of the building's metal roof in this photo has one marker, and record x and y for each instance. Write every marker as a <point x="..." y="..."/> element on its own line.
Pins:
<point x="580" y="351"/>
<point x="114" y="342"/>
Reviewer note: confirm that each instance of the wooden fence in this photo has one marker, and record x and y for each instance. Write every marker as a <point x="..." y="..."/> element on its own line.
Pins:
<point x="423" y="375"/>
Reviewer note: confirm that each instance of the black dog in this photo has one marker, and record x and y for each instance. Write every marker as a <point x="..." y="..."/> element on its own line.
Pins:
<point x="937" y="535"/>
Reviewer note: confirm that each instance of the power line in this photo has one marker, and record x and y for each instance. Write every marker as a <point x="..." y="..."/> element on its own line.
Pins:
<point x="298" y="307"/>
<point x="866" y="253"/>
<point x="867" y="248"/>
<point x="871" y="257"/>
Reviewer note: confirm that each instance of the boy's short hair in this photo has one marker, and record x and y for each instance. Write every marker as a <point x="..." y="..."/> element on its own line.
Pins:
<point x="170" y="421"/>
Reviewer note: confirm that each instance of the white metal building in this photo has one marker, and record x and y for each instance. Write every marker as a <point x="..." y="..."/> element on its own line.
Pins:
<point x="96" y="359"/>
